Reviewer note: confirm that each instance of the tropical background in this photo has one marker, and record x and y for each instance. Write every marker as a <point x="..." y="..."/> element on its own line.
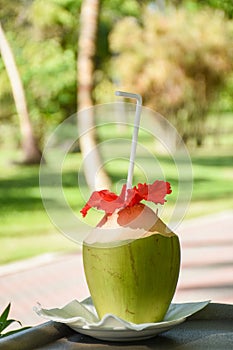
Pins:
<point x="58" y="57"/>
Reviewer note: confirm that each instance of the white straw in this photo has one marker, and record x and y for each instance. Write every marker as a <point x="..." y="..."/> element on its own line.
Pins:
<point x="135" y="134"/>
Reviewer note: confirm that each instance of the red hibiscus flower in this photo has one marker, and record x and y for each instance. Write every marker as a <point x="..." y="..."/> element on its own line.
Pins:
<point x="109" y="201"/>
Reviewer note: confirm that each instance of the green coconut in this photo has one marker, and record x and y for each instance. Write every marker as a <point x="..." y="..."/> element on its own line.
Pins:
<point x="134" y="273"/>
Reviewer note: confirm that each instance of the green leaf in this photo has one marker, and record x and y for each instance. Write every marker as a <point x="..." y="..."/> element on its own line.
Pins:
<point x="4" y="322"/>
<point x="7" y="323"/>
<point x="5" y="313"/>
<point x="13" y="332"/>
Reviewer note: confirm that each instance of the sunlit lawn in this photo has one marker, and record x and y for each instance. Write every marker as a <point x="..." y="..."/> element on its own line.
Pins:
<point x="26" y="230"/>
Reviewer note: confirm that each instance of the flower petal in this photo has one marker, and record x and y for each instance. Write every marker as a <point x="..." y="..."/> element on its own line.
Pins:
<point x="155" y="192"/>
<point x="110" y="202"/>
<point x="100" y="200"/>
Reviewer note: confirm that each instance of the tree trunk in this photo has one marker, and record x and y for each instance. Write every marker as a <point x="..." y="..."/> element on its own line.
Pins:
<point x="31" y="152"/>
<point x="95" y="175"/>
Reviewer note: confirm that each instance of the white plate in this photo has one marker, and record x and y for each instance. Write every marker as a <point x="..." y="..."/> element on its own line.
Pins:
<point x="82" y="317"/>
<point x="122" y="334"/>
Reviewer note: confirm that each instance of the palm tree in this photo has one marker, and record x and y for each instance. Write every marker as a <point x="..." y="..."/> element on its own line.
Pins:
<point x="95" y="175"/>
<point x="31" y="152"/>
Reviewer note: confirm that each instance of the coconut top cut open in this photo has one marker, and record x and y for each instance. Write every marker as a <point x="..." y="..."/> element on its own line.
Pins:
<point x="126" y="218"/>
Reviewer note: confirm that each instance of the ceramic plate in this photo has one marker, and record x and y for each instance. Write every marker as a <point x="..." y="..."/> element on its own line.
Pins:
<point x="82" y="317"/>
<point x="122" y="334"/>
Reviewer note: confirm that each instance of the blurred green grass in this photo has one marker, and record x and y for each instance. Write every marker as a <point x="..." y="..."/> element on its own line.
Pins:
<point x="26" y="230"/>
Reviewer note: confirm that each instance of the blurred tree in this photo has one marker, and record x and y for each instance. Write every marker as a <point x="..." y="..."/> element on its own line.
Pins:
<point x="95" y="175"/>
<point x="111" y="12"/>
<point x="225" y="5"/>
<point x="178" y="62"/>
<point x="93" y="52"/>
<point x="30" y="147"/>
<point x="43" y="36"/>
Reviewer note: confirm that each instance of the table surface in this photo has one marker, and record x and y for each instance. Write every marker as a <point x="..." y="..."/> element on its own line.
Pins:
<point x="210" y="328"/>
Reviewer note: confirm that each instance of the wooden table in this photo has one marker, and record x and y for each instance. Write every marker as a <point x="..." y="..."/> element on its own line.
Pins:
<point x="209" y="329"/>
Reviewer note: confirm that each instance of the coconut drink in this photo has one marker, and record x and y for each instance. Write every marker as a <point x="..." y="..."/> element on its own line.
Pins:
<point x="131" y="259"/>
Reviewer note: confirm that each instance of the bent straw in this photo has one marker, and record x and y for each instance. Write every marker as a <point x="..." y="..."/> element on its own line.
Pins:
<point x="135" y="134"/>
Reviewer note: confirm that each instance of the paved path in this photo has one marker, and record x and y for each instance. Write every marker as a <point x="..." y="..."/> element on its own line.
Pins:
<point x="54" y="280"/>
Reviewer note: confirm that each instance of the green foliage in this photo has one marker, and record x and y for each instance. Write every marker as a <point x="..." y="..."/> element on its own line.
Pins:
<point x="43" y="37"/>
<point x="178" y="62"/>
<point x="224" y="5"/>
<point x="5" y="322"/>
<point x="43" y="14"/>
<point x="191" y="47"/>
<point x="111" y="12"/>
